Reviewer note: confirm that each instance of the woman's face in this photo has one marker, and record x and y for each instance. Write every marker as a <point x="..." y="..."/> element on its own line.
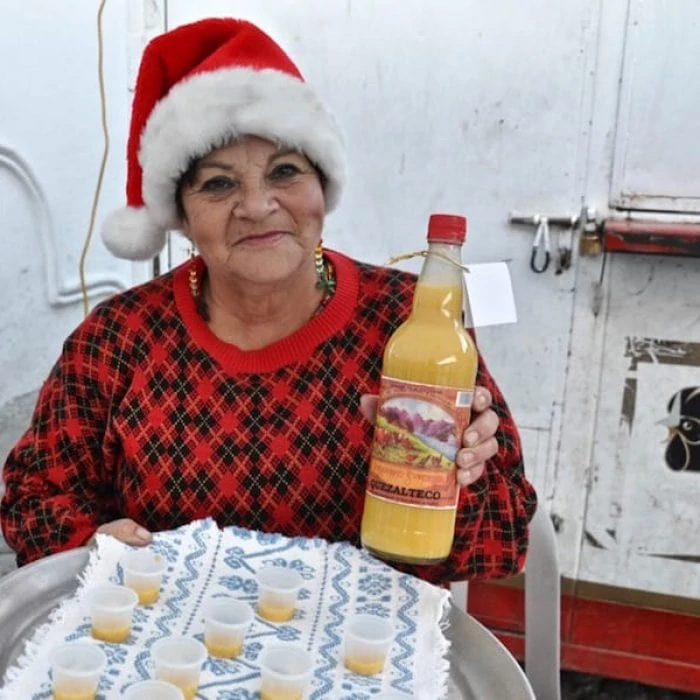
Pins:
<point x="254" y="211"/>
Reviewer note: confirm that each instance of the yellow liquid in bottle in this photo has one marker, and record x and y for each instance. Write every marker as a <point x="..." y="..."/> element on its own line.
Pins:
<point x="429" y="348"/>
<point x="113" y="635"/>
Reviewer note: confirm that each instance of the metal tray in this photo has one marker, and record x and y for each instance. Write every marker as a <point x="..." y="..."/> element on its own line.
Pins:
<point x="480" y="666"/>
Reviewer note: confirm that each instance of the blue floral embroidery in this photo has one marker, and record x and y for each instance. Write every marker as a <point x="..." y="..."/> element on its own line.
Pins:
<point x="165" y="549"/>
<point x="287" y="633"/>
<point x="81" y="631"/>
<point x="375" y="584"/>
<point x="237" y="583"/>
<point x="235" y="557"/>
<point x="373" y="609"/>
<point x="251" y="650"/>
<point x="238" y="694"/>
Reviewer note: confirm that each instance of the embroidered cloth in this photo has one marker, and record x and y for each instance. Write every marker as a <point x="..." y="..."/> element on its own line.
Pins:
<point x="204" y="562"/>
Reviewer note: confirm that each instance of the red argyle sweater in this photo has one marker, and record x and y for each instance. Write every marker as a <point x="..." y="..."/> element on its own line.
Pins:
<point x="148" y="415"/>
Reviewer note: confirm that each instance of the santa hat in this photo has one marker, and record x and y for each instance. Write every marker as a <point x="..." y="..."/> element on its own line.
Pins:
<point x="201" y="86"/>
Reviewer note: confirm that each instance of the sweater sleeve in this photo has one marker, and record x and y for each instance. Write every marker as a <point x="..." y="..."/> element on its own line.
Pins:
<point x="57" y="492"/>
<point x="491" y="530"/>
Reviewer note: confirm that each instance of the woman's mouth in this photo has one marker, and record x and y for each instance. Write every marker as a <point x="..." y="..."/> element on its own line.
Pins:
<point x="262" y="239"/>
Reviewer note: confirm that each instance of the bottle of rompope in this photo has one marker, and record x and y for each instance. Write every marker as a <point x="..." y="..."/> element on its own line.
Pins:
<point x="425" y="398"/>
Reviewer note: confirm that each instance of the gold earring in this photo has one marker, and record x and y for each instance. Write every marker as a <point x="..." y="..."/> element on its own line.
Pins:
<point x="194" y="281"/>
<point x="324" y="272"/>
<point x="318" y="262"/>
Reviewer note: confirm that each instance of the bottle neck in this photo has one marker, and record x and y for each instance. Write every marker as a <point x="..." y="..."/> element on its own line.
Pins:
<point x="439" y="291"/>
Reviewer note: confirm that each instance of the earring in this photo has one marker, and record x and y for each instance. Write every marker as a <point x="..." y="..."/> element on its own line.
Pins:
<point x="194" y="282"/>
<point x="318" y="262"/>
<point x="324" y="276"/>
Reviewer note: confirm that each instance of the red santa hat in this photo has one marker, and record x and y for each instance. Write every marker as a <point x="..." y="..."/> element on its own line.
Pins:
<point x="199" y="87"/>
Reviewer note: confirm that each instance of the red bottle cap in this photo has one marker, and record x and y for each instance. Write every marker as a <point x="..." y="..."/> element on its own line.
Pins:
<point x="447" y="228"/>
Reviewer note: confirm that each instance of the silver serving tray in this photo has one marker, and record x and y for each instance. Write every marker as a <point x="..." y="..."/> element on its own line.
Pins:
<point x="480" y="666"/>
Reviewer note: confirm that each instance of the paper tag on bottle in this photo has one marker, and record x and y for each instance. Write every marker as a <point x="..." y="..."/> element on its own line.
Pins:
<point x="490" y="294"/>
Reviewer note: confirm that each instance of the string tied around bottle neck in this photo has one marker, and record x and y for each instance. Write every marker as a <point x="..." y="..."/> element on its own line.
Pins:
<point x="427" y="254"/>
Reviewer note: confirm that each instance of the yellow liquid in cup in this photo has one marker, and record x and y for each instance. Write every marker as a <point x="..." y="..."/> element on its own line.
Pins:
<point x="113" y="635"/>
<point x="274" y="613"/>
<point x="365" y="667"/>
<point x="279" y="695"/>
<point x="59" y="694"/>
<point x="189" y="691"/>
<point x="147" y="596"/>
<point x="223" y="650"/>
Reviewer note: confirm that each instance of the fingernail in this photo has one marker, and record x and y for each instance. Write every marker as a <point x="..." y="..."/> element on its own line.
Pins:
<point x="463" y="478"/>
<point x="472" y="437"/>
<point x="143" y="533"/>
<point x="466" y="459"/>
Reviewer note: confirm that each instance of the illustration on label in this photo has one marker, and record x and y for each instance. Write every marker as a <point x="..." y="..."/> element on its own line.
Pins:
<point x="416" y="438"/>
<point x="417" y="433"/>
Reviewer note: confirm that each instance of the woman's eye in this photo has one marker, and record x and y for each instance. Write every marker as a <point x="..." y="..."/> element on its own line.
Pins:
<point x="217" y="184"/>
<point x="284" y="171"/>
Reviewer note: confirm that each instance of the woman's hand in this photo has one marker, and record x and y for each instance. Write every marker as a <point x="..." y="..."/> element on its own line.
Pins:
<point x="478" y="441"/>
<point x="127" y="531"/>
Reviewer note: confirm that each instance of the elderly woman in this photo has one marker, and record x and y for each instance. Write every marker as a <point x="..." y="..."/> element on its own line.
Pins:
<point x="239" y="386"/>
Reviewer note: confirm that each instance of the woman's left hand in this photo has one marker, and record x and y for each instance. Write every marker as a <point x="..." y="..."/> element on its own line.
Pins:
<point x="479" y="442"/>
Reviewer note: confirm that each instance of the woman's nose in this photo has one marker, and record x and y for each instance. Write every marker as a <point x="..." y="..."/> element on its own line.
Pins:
<point x="255" y="202"/>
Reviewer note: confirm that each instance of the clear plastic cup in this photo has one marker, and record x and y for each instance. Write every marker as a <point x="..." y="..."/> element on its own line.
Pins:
<point x="152" y="690"/>
<point x="226" y="622"/>
<point x="143" y="573"/>
<point x="278" y="588"/>
<point x="76" y="668"/>
<point x="367" y="642"/>
<point x="178" y="660"/>
<point x="111" y="609"/>
<point x="285" y="672"/>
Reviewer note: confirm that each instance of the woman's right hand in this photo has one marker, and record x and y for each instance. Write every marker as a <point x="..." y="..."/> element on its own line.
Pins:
<point x="127" y="531"/>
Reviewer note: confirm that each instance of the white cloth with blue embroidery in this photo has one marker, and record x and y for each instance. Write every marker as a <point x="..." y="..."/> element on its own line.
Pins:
<point x="205" y="562"/>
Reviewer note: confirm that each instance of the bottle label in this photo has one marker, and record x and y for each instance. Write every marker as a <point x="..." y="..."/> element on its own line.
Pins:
<point x="417" y="434"/>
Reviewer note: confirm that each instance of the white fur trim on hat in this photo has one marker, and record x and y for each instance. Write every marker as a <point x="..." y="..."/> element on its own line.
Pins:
<point x="209" y="110"/>
<point x="132" y="234"/>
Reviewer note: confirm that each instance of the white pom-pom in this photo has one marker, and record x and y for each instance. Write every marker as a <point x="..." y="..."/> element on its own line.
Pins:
<point x="130" y="233"/>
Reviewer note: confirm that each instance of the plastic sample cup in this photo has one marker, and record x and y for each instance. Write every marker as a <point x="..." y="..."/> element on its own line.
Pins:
<point x="226" y="622"/>
<point x="143" y="573"/>
<point x="111" y="608"/>
<point x="285" y="672"/>
<point x="178" y="660"/>
<point x="152" y="690"/>
<point x="76" y="668"/>
<point x="278" y="588"/>
<point x="367" y="642"/>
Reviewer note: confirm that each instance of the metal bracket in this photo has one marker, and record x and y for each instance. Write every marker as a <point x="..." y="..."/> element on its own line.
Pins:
<point x="541" y="253"/>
